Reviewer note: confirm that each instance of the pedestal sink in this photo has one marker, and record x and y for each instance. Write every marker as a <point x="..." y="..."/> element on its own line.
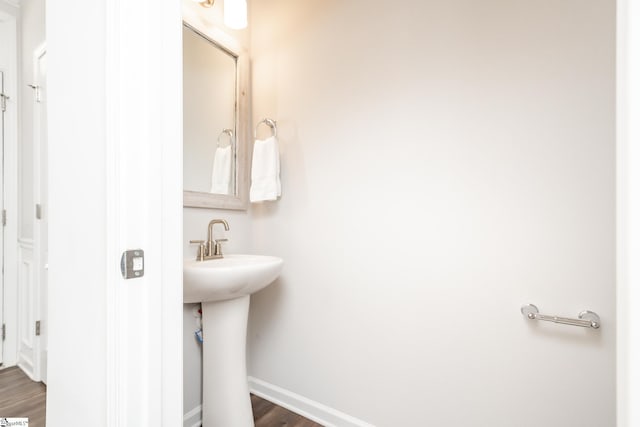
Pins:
<point x="223" y="287"/>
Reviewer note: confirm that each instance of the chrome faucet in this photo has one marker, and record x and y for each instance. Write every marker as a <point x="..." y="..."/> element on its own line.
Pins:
<point x="212" y="248"/>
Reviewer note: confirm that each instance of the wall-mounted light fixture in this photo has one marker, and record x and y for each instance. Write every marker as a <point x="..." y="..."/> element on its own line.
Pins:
<point x="235" y="12"/>
<point x="205" y="3"/>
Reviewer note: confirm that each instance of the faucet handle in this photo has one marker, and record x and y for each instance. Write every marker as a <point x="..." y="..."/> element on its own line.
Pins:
<point x="217" y="250"/>
<point x="201" y="250"/>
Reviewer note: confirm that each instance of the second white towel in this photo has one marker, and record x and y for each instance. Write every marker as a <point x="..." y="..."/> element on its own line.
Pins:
<point x="265" y="171"/>
<point x="221" y="173"/>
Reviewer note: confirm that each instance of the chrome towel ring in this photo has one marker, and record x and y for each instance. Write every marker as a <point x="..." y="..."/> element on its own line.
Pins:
<point x="269" y="122"/>
<point x="226" y="132"/>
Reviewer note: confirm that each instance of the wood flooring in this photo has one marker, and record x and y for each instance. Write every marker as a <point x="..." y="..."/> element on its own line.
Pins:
<point x="22" y="398"/>
<point x="267" y="414"/>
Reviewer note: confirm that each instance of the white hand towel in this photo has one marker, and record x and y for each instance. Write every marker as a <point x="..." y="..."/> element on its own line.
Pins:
<point x="265" y="171"/>
<point x="221" y="173"/>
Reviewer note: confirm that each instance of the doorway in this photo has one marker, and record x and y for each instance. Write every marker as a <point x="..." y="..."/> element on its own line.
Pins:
<point x="33" y="294"/>
<point x="33" y="302"/>
<point x="8" y="187"/>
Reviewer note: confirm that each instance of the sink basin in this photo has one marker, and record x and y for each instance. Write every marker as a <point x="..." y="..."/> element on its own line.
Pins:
<point x="230" y="277"/>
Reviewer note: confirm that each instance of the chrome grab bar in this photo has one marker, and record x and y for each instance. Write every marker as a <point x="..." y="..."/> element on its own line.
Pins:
<point x="586" y="319"/>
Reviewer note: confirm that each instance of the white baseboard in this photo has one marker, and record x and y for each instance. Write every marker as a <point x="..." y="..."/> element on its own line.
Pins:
<point x="193" y="418"/>
<point x="308" y="408"/>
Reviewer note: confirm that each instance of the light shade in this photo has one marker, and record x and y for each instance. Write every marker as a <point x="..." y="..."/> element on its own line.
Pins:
<point x="235" y="14"/>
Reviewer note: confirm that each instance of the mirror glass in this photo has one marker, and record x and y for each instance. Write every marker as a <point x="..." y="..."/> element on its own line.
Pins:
<point x="213" y="119"/>
<point x="209" y="82"/>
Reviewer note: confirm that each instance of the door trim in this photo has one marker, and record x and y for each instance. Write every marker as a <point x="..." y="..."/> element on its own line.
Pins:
<point x="117" y="117"/>
<point x="39" y="303"/>
<point x="144" y="205"/>
<point x="628" y="211"/>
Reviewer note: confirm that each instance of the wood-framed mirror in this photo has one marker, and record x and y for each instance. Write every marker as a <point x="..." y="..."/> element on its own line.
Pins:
<point x="216" y="129"/>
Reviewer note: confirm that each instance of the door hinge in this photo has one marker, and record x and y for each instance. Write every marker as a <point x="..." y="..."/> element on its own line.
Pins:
<point x="38" y="211"/>
<point x="4" y="332"/>
<point x="3" y="102"/>
<point x="4" y="217"/>
<point x="36" y="88"/>
<point x="37" y="328"/>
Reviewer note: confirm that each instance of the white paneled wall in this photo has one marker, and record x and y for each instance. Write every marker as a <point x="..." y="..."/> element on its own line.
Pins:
<point x="27" y="291"/>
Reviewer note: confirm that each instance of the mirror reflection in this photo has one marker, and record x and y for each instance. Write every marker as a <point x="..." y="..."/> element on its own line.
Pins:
<point x="209" y="109"/>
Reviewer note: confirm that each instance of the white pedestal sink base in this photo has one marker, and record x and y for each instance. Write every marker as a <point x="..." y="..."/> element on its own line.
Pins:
<point x="225" y="391"/>
<point x="223" y="286"/>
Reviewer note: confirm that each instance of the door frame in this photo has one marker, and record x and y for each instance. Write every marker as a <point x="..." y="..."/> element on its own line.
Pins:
<point x="628" y="211"/>
<point x="144" y="140"/>
<point x="114" y="113"/>
<point x="3" y="106"/>
<point x="40" y="303"/>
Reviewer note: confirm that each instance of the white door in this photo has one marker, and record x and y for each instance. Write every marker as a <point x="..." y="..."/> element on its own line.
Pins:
<point x="33" y="292"/>
<point x="41" y="231"/>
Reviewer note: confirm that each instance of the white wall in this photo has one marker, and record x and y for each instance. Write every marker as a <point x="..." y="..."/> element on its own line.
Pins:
<point x="9" y="7"/>
<point x="443" y="163"/>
